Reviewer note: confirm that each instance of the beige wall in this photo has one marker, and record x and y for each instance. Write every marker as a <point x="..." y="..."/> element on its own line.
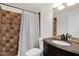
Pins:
<point x="46" y="21"/>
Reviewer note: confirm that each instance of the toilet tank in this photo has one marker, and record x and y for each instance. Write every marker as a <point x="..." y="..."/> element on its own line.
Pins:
<point x="41" y="43"/>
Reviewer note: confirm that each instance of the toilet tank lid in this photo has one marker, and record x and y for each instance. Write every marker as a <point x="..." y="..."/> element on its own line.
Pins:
<point x="33" y="52"/>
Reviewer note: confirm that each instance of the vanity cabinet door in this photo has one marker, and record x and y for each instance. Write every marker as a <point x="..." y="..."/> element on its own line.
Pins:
<point x="48" y="50"/>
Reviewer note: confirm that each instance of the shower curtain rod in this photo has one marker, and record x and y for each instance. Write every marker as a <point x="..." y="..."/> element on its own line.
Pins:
<point x="18" y="8"/>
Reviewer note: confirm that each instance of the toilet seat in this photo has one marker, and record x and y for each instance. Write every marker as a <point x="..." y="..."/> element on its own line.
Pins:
<point x="34" y="52"/>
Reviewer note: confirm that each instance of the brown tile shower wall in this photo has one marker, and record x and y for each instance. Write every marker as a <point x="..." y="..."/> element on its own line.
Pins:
<point x="9" y="32"/>
<point x="0" y="30"/>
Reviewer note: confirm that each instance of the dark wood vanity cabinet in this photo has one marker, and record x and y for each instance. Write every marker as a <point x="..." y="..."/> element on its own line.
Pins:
<point x="50" y="50"/>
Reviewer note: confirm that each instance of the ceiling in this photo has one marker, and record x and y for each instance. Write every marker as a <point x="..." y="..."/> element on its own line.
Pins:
<point x="35" y="7"/>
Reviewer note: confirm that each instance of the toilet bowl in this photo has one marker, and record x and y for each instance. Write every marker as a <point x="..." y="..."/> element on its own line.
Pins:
<point x="36" y="51"/>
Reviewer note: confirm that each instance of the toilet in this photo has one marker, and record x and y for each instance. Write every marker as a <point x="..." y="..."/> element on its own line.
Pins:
<point x="36" y="51"/>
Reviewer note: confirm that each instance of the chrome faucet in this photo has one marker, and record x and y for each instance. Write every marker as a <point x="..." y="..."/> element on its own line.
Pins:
<point x="67" y="36"/>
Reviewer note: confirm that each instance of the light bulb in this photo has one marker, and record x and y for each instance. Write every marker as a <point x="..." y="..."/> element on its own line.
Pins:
<point x="61" y="7"/>
<point x="70" y="4"/>
<point x="56" y="5"/>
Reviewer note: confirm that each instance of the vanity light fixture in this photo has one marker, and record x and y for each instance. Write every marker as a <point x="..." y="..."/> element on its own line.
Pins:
<point x="61" y="7"/>
<point x="56" y="5"/>
<point x="70" y="4"/>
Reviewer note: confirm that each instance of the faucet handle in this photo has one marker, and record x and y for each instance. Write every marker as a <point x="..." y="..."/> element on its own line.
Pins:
<point x="67" y="34"/>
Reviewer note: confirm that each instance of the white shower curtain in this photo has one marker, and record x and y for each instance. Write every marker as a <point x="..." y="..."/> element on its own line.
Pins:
<point x="33" y="29"/>
<point x="29" y="32"/>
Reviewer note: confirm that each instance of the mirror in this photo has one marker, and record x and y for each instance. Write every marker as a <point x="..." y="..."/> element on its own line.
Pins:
<point x="67" y="21"/>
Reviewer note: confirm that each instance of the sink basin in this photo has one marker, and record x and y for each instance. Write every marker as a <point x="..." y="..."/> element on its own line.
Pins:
<point x="61" y="43"/>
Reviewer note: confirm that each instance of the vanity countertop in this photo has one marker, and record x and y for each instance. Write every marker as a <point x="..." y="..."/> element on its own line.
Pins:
<point x="73" y="48"/>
